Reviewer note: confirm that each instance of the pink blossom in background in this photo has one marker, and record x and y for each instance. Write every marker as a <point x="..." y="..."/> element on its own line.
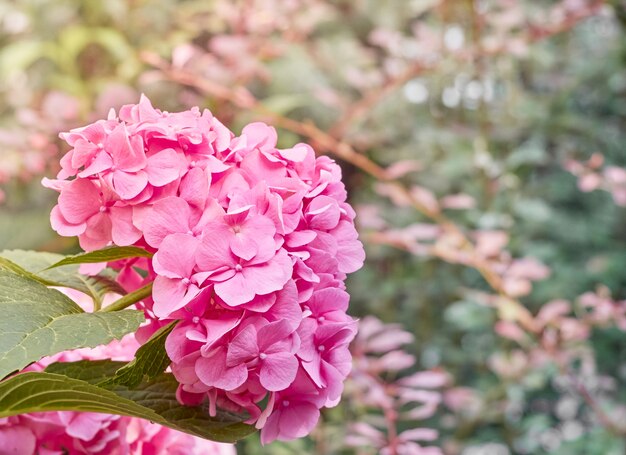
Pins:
<point x="27" y="148"/>
<point x="379" y="356"/>
<point x="593" y="176"/>
<point x="251" y="243"/>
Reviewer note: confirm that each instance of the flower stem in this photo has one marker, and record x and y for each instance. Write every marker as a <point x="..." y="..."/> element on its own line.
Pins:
<point x="130" y="299"/>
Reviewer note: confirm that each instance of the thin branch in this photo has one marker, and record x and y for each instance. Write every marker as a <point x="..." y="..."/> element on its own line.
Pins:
<point x="242" y="98"/>
<point x="130" y="299"/>
<point x="604" y="419"/>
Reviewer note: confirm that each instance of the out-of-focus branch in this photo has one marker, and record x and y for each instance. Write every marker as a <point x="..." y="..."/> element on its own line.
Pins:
<point x="362" y="107"/>
<point x="242" y="98"/>
<point x="330" y="142"/>
<point x="603" y="418"/>
<point x="570" y="21"/>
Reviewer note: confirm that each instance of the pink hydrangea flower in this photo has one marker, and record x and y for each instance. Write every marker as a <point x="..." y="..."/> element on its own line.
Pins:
<point x="251" y="243"/>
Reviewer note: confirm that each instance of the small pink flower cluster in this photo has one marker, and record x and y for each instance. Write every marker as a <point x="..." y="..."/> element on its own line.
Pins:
<point x="252" y="246"/>
<point x="378" y="386"/>
<point x="78" y="433"/>
<point x="594" y="174"/>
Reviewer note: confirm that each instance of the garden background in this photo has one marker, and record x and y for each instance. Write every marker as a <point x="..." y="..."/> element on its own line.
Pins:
<point x="482" y="143"/>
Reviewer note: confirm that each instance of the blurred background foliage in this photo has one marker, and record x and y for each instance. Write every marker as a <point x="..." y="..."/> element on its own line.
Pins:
<point x="499" y="116"/>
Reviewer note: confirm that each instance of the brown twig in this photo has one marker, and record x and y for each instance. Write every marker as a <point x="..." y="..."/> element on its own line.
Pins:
<point x="603" y="418"/>
<point x="324" y="141"/>
<point x="362" y="107"/>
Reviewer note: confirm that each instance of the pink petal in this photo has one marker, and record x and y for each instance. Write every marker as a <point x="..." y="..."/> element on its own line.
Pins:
<point x="243" y="347"/>
<point x="84" y="426"/>
<point x="215" y="165"/>
<point x="313" y="368"/>
<point x="298" y="420"/>
<point x="167" y="294"/>
<point x="299" y="238"/>
<point x="175" y="257"/>
<point x="323" y="213"/>
<point x="79" y="200"/>
<point x="234" y="291"/>
<point x="333" y="379"/>
<point x="270" y="276"/>
<point x="238" y="215"/>
<point x="260" y="230"/>
<point x="163" y="167"/>
<point x="306" y="332"/>
<point x="297" y="153"/>
<point x="98" y="232"/>
<point x="177" y="343"/>
<point x="123" y="231"/>
<point x="214" y="252"/>
<point x="350" y="253"/>
<point x="62" y="226"/>
<point x="194" y="187"/>
<point x="102" y="162"/>
<point x="272" y="333"/>
<point x="278" y="371"/>
<point x="212" y="211"/>
<point x="217" y="328"/>
<point x="270" y="431"/>
<point x="243" y="246"/>
<point x="261" y="303"/>
<point x="260" y="135"/>
<point x="17" y="440"/>
<point x="327" y="300"/>
<point x="213" y="371"/>
<point x="128" y="185"/>
<point x="341" y="359"/>
<point x="286" y="307"/>
<point x="335" y="333"/>
<point x="127" y="151"/>
<point x="170" y="215"/>
<point x="84" y="151"/>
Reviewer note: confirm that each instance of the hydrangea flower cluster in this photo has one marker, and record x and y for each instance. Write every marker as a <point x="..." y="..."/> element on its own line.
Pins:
<point x="251" y="244"/>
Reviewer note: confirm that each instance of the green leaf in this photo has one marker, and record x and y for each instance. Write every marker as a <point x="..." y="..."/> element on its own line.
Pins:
<point x="108" y="254"/>
<point x="34" y="265"/>
<point x="153" y="400"/>
<point x="37" y="321"/>
<point x="11" y="266"/>
<point x="150" y="360"/>
<point x="91" y="371"/>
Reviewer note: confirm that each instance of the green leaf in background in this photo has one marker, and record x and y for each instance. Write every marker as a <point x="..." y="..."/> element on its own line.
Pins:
<point x="35" y="264"/>
<point x="150" y="361"/>
<point x="153" y="400"/>
<point x="37" y="321"/>
<point x="108" y="254"/>
<point x="285" y="103"/>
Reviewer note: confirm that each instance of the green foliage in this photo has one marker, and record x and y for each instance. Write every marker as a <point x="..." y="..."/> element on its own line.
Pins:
<point x="150" y="361"/>
<point x="154" y="400"/>
<point x="45" y="268"/>
<point x="38" y="321"/>
<point x="109" y="254"/>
